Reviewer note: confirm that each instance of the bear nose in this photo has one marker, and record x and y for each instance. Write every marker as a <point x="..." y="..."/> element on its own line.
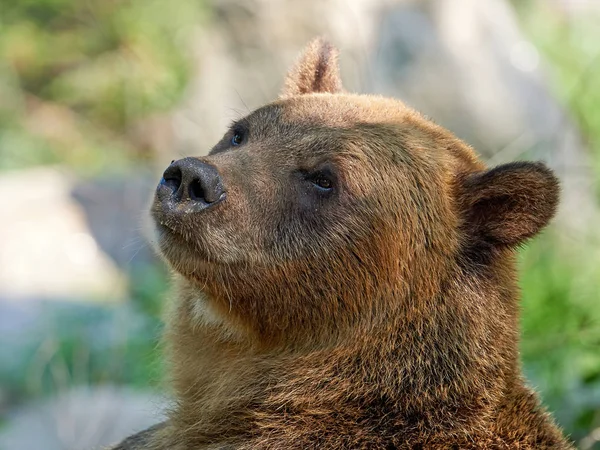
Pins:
<point x="194" y="180"/>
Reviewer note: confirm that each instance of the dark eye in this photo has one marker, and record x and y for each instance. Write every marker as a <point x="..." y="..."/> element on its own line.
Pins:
<point x="323" y="182"/>
<point x="237" y="138"/>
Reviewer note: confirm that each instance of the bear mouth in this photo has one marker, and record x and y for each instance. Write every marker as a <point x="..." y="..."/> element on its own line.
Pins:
<point x="178" y="248"/>
<point x="172" y="230"/>
<point x="170" y="227"/>
<point x="179" y="237"/>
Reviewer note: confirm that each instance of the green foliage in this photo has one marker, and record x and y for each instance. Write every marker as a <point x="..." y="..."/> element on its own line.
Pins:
<point x="148" y="288"/>
<point x="82" y="344"/>
<point x="561" y="330"/>
<point x="569" y="45"/>
<point x="561" y="274"/>
<point x="77" y="77"/>
<point x="77" y="344"/>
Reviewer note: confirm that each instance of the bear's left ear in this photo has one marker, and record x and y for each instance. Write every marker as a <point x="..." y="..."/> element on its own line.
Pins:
<point x="315" y="71"/>
<point x="509" y="203"/>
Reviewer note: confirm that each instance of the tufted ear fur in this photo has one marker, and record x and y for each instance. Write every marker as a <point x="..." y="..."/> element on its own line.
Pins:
<point x="315" y="71"/>
<point x="509" y="203"/>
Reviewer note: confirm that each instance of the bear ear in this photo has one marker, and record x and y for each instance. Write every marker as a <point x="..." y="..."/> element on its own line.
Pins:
<point x="315" y="71"/>
<point x="509" y="203"/>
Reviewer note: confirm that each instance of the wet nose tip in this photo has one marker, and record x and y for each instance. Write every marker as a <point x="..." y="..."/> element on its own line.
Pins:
<point x="194" y="180"/>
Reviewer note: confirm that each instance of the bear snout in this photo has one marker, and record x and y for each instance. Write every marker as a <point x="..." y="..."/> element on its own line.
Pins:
<point x="190" y="185"/>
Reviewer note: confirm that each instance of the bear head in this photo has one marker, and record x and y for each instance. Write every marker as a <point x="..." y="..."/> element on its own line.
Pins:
<point x="327" y="215"/>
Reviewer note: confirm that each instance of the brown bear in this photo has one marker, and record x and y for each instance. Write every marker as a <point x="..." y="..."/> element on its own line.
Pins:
<point x="346" y="279"/>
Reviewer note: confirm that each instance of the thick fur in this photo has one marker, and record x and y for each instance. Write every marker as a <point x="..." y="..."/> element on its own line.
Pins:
<point x="378" y="313"/>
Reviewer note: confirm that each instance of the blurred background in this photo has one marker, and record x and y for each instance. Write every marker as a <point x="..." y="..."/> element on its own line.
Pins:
<point x="97" y="96"/>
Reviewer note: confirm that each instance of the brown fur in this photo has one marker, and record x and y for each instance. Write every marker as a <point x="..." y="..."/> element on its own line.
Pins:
<point x="316" y="71"/>
<point x="379" y="315"/>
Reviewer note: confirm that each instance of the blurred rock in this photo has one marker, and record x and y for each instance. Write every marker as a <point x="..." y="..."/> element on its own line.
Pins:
<point x="117" y="208"/>
<point x="61" y="238"/>
<point x="46" y="247"/>
<point x="82" y="419"/>
<point x="576" y="6"/>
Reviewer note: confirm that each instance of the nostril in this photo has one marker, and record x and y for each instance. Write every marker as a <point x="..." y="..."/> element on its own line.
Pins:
<point x="197" y="191"/>
<point x="191" y="180"/>
<point x="172" y="178"/>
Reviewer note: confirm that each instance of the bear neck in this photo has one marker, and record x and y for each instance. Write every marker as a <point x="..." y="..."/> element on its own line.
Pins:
<point x="451" y="352"/>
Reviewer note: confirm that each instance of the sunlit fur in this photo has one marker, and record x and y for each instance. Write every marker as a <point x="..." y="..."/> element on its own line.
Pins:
<point x="380" y="316"/>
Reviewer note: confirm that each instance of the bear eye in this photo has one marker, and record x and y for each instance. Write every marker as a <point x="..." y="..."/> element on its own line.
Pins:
<point x="237" y="138"/>
<point x="323" y="179"/>
<point x="323" y="182"/>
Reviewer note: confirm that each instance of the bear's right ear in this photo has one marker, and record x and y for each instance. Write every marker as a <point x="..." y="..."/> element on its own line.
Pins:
<point x="315" y="71"/>
<point x="509" y="203"/>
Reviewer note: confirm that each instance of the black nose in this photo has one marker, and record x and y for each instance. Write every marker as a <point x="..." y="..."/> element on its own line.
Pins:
<point x="190" y="179"/>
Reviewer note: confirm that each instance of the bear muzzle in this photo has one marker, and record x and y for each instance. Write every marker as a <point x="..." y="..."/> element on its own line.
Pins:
<point x="190" y="185"/>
